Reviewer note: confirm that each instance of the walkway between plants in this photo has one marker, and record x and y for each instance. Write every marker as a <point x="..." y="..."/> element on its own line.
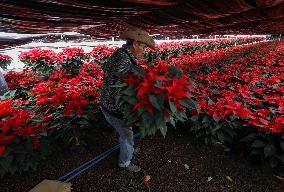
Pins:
<point x="174" y="164"/>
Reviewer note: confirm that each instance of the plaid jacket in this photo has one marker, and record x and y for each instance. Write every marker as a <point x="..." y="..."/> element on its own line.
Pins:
<point x="120" y="64"/>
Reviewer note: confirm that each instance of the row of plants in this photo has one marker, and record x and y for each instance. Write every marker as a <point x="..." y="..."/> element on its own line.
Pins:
<point x="53" y="98"/>
<point x="173" y="49"/>
<point x="230" y="96"/>
<point x="63" y="103"/>
<point x="170" y="86"/>
<point x="242" y="101"/>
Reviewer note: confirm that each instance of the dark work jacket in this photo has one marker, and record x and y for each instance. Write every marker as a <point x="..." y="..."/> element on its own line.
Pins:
<point x="120" y="64"/>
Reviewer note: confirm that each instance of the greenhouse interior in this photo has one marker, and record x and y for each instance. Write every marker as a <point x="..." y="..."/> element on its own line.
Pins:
<point x="141" y="95"/>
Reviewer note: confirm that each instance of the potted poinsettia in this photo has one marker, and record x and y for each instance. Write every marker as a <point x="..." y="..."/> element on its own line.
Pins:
<point x="155" y="96"/>
<point x="70" y="60"/>
<point x="5" y="61"/>
<point x="39" y="60"/>
<point x="22" y="138"/>
<point x="65" y="104"/>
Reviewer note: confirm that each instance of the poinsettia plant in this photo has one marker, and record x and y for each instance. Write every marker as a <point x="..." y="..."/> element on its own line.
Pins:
<point x="67" y="103"/>
<point x="22" y="137"/>
<point x="5" y="61"/>
<point x="39" y="60"/>
<point x="21" y="82"/>
<point x="156" y="95"/>
<point x="71" y="60"/>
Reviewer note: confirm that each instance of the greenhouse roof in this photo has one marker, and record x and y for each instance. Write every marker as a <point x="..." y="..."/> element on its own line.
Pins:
<point x="173" y="18"/>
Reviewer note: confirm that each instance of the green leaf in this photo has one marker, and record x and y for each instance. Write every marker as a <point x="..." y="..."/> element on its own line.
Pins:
<point x="209" y="179"/>
<point x="160" y="123"/>
<point x="194" y="118"/>
<point x="131" y="118"/>
<point x="217" y="128"/>
<point x="152" y="130"/>
<point x="119" y="85"/>
<point x="44" y="133"/>
<point x="229" y="178"/>
<point x="249" y="138"/>
<point x="174" y="72"/>
<point x="130" y="91"/>
<point x="159" y="82"/>
<point x="269" y="150"/>
<point x="141" y="110"/>
<point x="155" y="102"/>
<point x="205" y="119"/>
<point x="160" y="99"/>
<point x="172" y="107"/>
<point x="9" y="94"/>
<point x="215" y="91"/>
<point x="221" y="136"/>
<point x="142" y="129"/>
<point x="192" y="103"/>
<point x="172" y="121"/>
<point x="217" y="119"/>
<point x="183" y="103"/>
<point x="186" y="166"/>
<point x="91" y="116"/>
<point x="163" y="130"/>
<point x="210" y="101"/>
<point x="84" y="122"/>
<point x="147" y="118"/>
<point x="258" y="144"/>
<point x="230" y="132"/>
<point x="130" y="100"/>
<point x="180" y="115"/>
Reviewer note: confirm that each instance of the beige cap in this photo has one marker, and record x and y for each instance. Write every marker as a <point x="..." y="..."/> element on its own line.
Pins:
<point x="139" y="35"/>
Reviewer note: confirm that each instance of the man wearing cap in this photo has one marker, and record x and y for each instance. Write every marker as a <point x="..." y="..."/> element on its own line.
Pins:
<point x="121" y="63"/>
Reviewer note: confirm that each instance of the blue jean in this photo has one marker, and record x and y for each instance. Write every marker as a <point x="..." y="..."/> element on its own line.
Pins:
<point x="125" y="138"/>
